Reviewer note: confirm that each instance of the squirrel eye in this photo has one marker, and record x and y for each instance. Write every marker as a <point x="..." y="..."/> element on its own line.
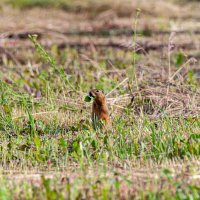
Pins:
<point x="97" y="90"/>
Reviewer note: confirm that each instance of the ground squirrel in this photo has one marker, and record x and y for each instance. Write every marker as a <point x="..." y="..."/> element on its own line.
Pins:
<point x="100" y="114"/>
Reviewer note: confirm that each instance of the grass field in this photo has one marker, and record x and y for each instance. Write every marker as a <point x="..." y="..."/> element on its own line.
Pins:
<point x="145" y="56"/>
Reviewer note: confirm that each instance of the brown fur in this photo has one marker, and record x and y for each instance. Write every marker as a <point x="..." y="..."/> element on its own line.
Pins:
<point x="99" y="107"/>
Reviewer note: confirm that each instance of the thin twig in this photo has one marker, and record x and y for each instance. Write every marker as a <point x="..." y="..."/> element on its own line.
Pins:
<point x="126" y="79"/>
<point x="185" y="64"/>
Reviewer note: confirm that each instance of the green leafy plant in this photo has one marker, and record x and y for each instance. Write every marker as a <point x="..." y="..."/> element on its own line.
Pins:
<point x="88" y="98"/>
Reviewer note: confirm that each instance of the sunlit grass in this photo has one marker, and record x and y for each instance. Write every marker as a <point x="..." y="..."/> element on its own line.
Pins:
<point x="49" y="148"/>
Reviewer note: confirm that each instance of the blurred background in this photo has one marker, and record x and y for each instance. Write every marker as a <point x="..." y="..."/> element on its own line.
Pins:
<point x="144" y="54"/>
<point x="97" y="43"/>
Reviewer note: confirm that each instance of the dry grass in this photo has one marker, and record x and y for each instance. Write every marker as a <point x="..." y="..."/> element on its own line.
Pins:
<point x="153" y="150"/>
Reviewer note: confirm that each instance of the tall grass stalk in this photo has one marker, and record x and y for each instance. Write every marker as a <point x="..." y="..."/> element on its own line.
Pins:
<point x="46" y="57"/>
<point x="134" y="54"/>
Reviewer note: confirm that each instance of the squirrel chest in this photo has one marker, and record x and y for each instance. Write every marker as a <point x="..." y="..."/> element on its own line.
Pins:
<point x="100" y="111"/>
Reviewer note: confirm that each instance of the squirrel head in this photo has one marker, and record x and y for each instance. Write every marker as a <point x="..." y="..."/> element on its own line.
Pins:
<point x="98" y="95"/>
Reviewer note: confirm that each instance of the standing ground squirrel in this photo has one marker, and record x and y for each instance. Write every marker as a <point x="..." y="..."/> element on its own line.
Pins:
<point x="99" y="109"/>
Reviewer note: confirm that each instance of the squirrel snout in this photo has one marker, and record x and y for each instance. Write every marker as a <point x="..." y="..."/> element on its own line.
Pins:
<point x="91" y="94"/>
